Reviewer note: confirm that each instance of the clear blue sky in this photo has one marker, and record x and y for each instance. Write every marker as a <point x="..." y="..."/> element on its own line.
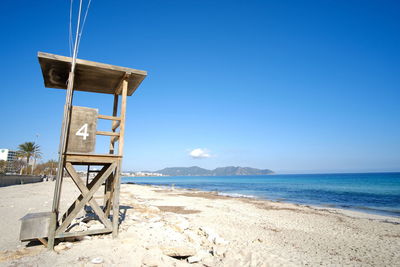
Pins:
<point x="294" y="86"/>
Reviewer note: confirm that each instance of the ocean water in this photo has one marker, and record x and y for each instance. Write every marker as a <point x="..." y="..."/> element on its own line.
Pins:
<point x="377" y="193"/>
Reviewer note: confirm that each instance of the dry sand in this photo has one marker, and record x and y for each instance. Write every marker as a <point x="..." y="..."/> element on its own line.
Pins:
<point x="213" y="230"/>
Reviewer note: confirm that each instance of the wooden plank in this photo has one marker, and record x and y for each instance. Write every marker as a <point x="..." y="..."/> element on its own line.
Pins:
<point x="113" y="128"/>
<point x="93" y="64"/>
<point x="77" y="159"/>
<point x="123" y="118"/>
<point x="96" y="184"/>
<point x="118" y="88"/>
<point x="92" y="155"/>
<point x="105" y="117"/>
<point x="82" y="130"/>
<point x="43" y="241"/>
<point x="90" y="76"/>
<point x="107" y="133"/>
<point x="84" y="191"/>
<point x="89" y="232"/>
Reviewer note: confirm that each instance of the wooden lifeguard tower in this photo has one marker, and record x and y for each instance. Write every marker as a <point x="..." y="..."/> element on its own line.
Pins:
<point x="77" y="146"/>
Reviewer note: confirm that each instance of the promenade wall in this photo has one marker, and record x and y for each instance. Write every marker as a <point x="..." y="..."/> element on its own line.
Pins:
<point x="7" y="180"/>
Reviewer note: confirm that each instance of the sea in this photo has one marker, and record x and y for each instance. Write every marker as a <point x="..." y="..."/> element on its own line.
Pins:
<point x="377" y="193"/>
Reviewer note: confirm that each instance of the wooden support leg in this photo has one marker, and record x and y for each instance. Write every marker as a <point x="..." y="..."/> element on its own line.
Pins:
<point x="79" y="199"/>
<point x="94" y="186"/>
<point x="116" y="200"/>
<point x="108" y="194"/>
<point x="84" y="191"/>
<point x="87" y="175"/>
<point x="117" y="177"/>
<point x="52" y="231"/>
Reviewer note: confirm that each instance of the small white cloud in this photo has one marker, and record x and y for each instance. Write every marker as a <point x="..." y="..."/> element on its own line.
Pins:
<point x="199" y="153"/>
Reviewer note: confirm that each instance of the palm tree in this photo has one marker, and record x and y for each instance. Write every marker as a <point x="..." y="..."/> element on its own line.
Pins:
<point x="27" y="150"/>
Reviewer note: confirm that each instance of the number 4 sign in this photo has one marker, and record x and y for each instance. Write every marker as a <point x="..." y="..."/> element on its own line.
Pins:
<point x="83" y="131"/>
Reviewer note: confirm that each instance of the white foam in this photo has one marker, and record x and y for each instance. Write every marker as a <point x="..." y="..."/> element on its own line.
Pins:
<point x="236" y="195"/>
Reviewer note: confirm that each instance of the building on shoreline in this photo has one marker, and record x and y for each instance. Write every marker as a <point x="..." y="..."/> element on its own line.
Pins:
<point x="10" y="156"/>
<point x="141" y="174"/>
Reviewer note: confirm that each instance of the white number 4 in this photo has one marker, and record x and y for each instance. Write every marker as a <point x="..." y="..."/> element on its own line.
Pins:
<point x="83" y="131"/>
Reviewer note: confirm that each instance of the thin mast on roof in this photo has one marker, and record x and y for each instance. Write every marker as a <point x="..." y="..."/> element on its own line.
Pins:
<point x="66" y="119"/>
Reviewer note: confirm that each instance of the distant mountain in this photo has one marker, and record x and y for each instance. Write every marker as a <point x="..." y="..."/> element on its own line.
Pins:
<point x="231" y="170"/>
<point x="221" y="171"/>
<point x="185" y="171"/>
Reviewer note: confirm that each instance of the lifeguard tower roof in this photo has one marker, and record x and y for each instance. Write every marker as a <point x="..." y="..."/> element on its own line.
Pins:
<point x="89" y="76"/>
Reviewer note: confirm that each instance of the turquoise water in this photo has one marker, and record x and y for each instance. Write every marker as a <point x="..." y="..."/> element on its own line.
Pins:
<point x="369" y="192"/>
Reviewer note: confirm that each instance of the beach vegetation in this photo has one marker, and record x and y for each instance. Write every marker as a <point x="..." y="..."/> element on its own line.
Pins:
<point x="28" y="150"/>
<point x="47" y="168"/>
<point x="3" y="166"/>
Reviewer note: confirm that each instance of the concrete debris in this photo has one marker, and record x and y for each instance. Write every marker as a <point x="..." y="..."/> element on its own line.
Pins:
<point x="209" y="262"/>
<point x="134" y="218"/>
<point x="193" y="259"/>
<point x="153" y="209"/>
<point x="193" y="237"/>
<point x="182" y="225"/>
<point x="220" y="241"/>
<point x="96" y="227"/>
<point x="200" y="255"/>
<point x="219" y="251"/>
<point x="60" y="247"/>
<point x="97" y="260"/>
<point x="178" y="251"/>
<point x="172" y="235"/>
<point x="156" y="225"/>
<point x="155" y="219"/>
<point x="151" y="258"/>
<point x="213" y="237"/>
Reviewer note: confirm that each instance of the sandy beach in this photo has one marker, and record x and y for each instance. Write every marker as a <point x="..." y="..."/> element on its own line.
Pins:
<point x="174" y="227"/>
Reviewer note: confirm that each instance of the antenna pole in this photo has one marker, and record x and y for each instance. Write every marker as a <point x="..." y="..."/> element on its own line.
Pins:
<point x="63" y="139"/>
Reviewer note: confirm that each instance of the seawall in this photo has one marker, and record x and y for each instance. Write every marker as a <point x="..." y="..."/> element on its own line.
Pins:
<point x="7" y="180"/>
